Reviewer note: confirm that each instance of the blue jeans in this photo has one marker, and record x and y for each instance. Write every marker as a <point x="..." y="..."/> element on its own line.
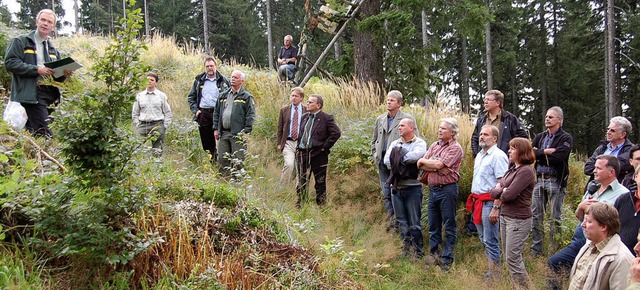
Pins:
<point x="285" y="71"/>
<point x="442" y="211"/>
<point x="488" y="233"/>
<point x="546" y="191"/>
<point x="560" y="263"/>
<point x="407" y="203"/>
<point x="386" y="193"/>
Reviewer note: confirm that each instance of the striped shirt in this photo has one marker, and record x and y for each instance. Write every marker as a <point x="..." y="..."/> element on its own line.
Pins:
<point x="450" y="154"/>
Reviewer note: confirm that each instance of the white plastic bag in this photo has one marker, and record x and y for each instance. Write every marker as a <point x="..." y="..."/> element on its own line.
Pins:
<point x="15" y="116"/>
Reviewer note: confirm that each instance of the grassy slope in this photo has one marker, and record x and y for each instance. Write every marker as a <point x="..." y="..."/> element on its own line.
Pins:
<point x="353" y="219"/>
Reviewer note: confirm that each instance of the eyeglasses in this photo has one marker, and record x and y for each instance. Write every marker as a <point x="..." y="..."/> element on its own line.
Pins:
<point x="612" y="130"/>
<point x="488" y="99"/>
<point x="636" y="159"/>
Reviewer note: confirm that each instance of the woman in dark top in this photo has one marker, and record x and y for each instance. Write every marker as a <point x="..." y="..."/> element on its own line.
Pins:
<point x="514" y="191"/>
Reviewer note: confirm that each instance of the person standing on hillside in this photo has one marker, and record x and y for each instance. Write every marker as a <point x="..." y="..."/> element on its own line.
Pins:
<point x="151" y="113"/>
<point x="616" y="144"/>
<point x="203" y="98"/>
<point x="441" y="165"/>
<point x="508" y="124"/>
<point x="233" y="117"/>
<point x="604" y="188"/>
<point x="287" y="59"/>
<point x="385" y="131"/>
<point x="25" y="57"/>
<point x="319" y="132"/>
<point x="289" y="131"/>
<point x="490" y="166"/>
<point x="629" y="180"/>
<point x="401" y="160"/>
<point x="604" y="261"/>
<point x="552" y="149"/>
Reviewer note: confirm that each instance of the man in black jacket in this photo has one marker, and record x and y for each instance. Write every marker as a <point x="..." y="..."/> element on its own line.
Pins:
<point x="552" y="148"/>
<point x="616" y="144"/>
<point x="508" y="124"/>
<point x="202" y="101"/>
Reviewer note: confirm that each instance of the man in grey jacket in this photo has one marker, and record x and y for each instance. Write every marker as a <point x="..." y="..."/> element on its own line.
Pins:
<point x="385" y="131"/>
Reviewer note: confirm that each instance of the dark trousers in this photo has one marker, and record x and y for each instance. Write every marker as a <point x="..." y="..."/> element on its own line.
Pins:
<point x="560" y="263"/>
<point x="316" y="162"/>
<point x="38" y="114"/>
<point x="205" y="126"/>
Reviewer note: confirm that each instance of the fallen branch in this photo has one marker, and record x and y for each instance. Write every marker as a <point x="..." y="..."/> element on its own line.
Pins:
<point x="39" y="149"/>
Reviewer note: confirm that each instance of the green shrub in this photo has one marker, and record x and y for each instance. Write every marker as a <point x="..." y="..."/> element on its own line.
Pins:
<point x="220" y="194"/>
<point x="354" y="146"/>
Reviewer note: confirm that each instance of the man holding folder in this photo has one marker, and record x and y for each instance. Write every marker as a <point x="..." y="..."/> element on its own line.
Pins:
<point x="25" y="58"/>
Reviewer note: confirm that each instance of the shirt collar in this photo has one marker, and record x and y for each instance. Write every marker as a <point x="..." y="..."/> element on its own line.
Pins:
<point x="410" y="141"/>
<point x="600" y="246"/>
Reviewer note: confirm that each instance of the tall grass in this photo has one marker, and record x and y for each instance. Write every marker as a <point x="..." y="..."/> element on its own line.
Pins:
<point x="347" y="236"/>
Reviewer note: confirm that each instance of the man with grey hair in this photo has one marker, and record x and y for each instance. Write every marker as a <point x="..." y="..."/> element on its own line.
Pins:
<point x="552" y="149"/>
<point x="287" y="59"/>
<point x="233" y="117"/>
<point x="616" y="144"/>
<point x="441" y="171"/>
<point x="386" y="131"/>
<point x="25" y="58"/>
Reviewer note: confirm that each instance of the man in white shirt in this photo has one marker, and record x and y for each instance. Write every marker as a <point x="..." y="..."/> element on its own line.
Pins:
<point x="151" y="113"/>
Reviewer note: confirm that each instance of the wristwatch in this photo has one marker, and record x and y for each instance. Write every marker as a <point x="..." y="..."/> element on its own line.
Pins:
<point x="496" y="207"/>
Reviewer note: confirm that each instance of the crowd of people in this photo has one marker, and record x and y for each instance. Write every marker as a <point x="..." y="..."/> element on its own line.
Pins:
<point x="516" y="182"/>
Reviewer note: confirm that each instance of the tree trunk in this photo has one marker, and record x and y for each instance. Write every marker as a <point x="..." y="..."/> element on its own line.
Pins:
<point x="367" y="50"/>
<point x="205" y="25"/>
<point x="76" y="9"/>
<point x="337" y="49"/>
<point x="612" y="99"/>
<point x="543" y="60"/>
<point x="489" y="53"/>
<point x="425" y="39"/>
<point x="464" y="76"/>
<point x="269" y="36"/>
<point x="147" y="30"/>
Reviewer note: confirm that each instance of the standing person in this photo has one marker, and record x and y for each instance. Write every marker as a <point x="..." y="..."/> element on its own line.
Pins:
<point x="441" y="165"/>
<point x="233" y="117"/>
<point x="289" y="131"/>
<point x="151" y="112"/>
<point x="628" y="206"/>
<point x="629" y="179"/>
<point x="616" y="144"/>
<point x="319" y="132"/>
<point x="25" y="57"/>
<point x="634" y="271"/>
<point x="514" y="191"/>
<point x="508" y="124"/>
<point x="287" y="59"/>
<point x="406" y="192"/>
<point x="203" y="98"/>
<point x="604" y="261"/>
<point x="552" y="149"/>
<point x="605" y="188"/>
<point x="385" y="131"/>
<point x="490" y="165"/>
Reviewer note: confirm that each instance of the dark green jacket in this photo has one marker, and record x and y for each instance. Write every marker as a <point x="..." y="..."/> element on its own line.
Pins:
<point x="242" y="114"/>
<point x="21" y="60"/>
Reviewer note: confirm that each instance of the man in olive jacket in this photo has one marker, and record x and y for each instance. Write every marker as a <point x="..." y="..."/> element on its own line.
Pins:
<point x="25" y="58"/>
<point x="233" y="117"/>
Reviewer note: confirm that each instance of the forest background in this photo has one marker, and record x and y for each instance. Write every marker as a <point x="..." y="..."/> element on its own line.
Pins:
<point x="540" y="53"/>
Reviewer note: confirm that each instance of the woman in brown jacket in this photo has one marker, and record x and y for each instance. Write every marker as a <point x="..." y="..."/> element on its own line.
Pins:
<point x="514" y="192"/>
